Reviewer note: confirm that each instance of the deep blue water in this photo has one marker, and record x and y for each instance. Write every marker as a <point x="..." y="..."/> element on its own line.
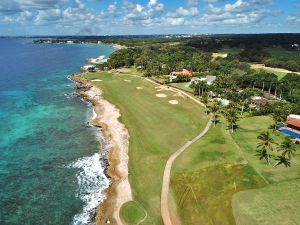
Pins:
<point x="49" y="166"/>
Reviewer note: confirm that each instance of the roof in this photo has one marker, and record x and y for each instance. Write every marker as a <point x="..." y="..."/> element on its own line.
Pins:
<point x="295" y="122"/>
<point x="211" y="78"/>
<point x="183" y="72"/>
<point x="261" y="101"/>
<point x="293" y="116"/>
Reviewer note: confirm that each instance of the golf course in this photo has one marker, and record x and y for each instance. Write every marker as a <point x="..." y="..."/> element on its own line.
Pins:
<point x="216" y="180"/>
<point x="159" y="121"/>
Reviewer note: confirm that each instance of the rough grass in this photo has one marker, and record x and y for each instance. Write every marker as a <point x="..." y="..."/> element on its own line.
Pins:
<point x="156" y="129"/>
<point x="132" y="213"/>
<point x="205" y="177"/>
<point x="204" y="196"/>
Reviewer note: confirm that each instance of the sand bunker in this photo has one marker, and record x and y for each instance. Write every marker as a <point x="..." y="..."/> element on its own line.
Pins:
<point x="97" y="80"/>
<point x="127" y="81"/>
<point x="173" y="102"/>
<point x="161" y="95"/>
<point x="139" y="88"/>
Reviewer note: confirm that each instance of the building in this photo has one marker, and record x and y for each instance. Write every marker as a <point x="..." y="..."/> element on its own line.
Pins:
<point x="293" y="124"/>
<point x="209" y="79"/>
<point x="291" y="127"/>
<point x="175" y="74"/>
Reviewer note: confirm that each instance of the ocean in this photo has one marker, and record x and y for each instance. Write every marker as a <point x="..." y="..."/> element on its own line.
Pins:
<point x="50" y="172"/>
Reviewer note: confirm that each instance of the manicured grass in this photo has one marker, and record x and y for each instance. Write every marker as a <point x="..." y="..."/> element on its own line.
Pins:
<point x="246" y="138"/>
<point x="156" y="129"/>
<point x="182" y="86"/>
<point x="207" y="174"/>
<point x="276" y="204"/>
<point x="132" y="213"/>
<point x="279" y="75"/>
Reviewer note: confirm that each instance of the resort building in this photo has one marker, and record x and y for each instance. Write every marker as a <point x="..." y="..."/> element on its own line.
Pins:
<point x="175" y="74"/>
<point x="291" y="127"/>
<point x="294" y="125"/>
<point x="258" y="101"/>
<point x="209" y="79"/>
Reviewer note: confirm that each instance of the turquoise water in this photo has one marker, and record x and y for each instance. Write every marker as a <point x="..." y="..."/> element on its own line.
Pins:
<point x="50" y="171"/>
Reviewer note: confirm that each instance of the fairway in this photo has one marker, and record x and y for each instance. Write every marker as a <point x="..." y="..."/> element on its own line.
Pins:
<point x="278" y="203"/>
<point x="156" y="128"/>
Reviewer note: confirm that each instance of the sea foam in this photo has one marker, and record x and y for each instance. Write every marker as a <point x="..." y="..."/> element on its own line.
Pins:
<point x="91" y="183"/>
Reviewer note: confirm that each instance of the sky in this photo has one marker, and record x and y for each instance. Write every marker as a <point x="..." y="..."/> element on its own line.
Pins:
<point x="137" y="17"/>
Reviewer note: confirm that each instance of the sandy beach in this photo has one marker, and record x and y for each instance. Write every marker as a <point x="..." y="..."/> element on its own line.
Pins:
<point x="118" y="46"/>
<point x="106" y="117"/>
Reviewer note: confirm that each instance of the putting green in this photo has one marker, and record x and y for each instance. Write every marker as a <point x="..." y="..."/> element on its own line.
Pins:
<point x="132" y="213"/>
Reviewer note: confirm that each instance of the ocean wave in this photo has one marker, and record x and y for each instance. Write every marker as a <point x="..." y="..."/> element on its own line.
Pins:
<point x="91" y="183"/>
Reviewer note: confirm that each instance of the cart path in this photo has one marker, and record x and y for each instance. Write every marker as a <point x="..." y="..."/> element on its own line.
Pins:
<point x="164" y="203"/>
<point x="166" y="178"/>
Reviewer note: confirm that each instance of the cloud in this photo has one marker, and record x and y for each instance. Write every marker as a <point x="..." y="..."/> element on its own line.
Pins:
<point x="112" y="7"/>
<point x="183" y="12"/>
<point x="174" y="21"/>
<point x="135" y="12"/>
<point x="48" y="16"/>
<point x="192" y="3"/>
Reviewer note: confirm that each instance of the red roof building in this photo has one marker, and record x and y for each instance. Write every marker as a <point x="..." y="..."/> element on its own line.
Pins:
<point x="294" y="124"/>
<point x="184" y="72"/>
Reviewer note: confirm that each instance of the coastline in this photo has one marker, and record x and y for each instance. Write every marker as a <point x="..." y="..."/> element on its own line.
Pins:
<point x="118" y="46"/>
<point x="106" y="118"/>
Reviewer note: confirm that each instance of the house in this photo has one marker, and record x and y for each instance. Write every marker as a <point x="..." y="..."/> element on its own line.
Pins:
<point x="259" y="101"/>
<point x="294" y="125"/>
<point x="293" y="117"/>
<point x="184" y="72"/>
<point x="291" y="127"/>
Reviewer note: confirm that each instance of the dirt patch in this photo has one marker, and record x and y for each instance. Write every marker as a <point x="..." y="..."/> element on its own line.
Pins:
<point x="139" y="88"/>
<point x="161" y="95"/>
<point x="173" y="102"/>
<point x="179" y="94"/>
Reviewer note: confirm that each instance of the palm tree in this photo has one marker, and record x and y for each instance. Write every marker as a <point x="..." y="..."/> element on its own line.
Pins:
<point x="231" y="116"/>
<point x="288" y="148"/>
<point x="282" y="160"/>
<point x="265" y="144"/>
<point x="263" y="154"/>
<point x="214" y="108"/>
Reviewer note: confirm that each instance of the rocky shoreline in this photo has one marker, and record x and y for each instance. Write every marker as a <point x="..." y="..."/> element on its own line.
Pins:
<point x="115" y="159"/>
